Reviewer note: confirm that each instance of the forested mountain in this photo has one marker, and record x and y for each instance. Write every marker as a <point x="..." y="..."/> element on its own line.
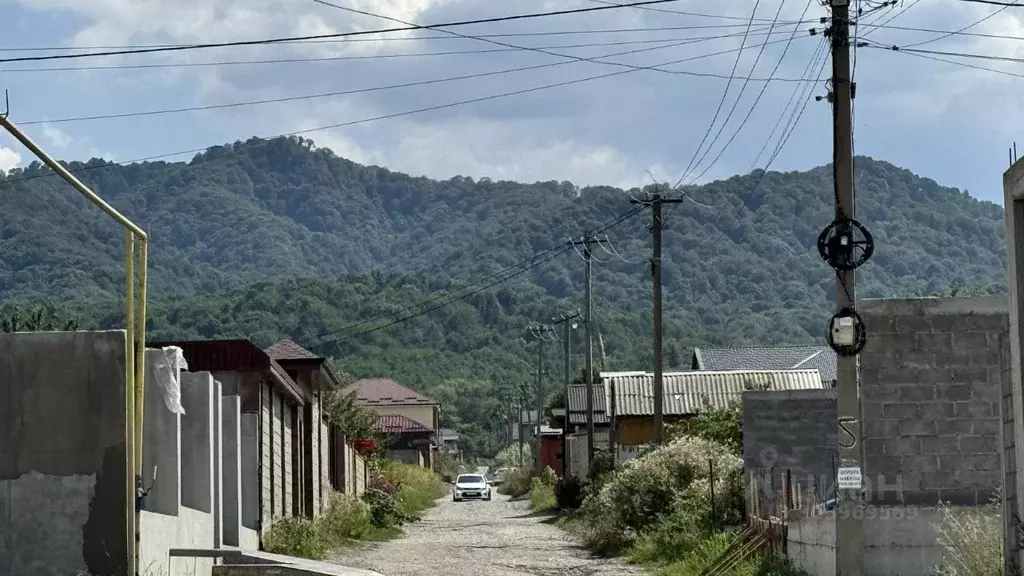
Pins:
<point x="269" y="238"/>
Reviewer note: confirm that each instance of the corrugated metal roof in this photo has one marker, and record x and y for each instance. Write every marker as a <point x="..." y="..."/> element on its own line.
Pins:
<point x="578" y="404"/>
<point x="821" y="358"/>
<point x="688" y="393"/>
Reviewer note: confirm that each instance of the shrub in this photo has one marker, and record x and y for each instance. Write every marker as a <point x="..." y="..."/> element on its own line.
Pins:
<point x="385" y="509"/>
<point x="417" y="488"/>
<point x="516" y="484"/>
<point x="569" y="493"/>
<point x="345" y="519"/>
<point x="707" y="550"/>
<point x="632" y="502"/>
<point x="542" y="491"/>
<point x="972" y="541"/>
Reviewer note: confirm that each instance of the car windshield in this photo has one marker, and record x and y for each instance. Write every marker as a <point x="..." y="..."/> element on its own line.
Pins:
<point x="470" y="480"/>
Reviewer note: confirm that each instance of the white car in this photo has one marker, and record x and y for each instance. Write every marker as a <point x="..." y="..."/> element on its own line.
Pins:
<point x="471" y="487"/>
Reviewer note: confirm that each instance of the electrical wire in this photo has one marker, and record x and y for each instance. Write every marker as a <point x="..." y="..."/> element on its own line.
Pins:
<point x="739" y="97"/>
<point x="943" y="53"/>
<point x="157" y="66"/>
<point x="721" y="102"/>
<point x="164" y="111"/>
<point x="682" y="13"/>
<point x="266" y="41"/>
<point x="517" y="270"/>
<point x="778" y="64"/>
<point x="971" y="25"/>
<point x="953" y="62"/>
<point x="394" y="114"/>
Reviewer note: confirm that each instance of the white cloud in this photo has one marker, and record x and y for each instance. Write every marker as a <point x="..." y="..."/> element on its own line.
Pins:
<point x="56" y="136"/>
<point x="9" y="159"/>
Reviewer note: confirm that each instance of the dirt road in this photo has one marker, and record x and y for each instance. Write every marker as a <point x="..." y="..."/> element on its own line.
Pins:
<point x="496" y="538"/>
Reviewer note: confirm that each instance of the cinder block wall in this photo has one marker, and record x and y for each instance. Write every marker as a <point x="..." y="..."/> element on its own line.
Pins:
<point x="791" y="430"/>
<point x="931" y="387"/>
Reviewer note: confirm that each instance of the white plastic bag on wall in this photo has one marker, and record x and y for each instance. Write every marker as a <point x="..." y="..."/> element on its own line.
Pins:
<point x="168" y="377"/>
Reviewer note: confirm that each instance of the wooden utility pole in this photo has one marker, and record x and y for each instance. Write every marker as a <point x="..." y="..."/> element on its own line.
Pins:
<point x="655" y="201"/>
<point x="588" y="319"/>
<point x="849" y="527"/>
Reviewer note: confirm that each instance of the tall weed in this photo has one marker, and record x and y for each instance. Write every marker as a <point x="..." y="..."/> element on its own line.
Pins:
<point x="972" y="541"/>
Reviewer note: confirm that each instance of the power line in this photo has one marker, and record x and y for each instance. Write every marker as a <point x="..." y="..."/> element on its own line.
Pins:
<point x="992" y="2"/>
<point x="971" y="25"/>
<point x="953" y="62"/>
<point x="266" y="41"/>
<point x="395" y="114"/>
<point x="670" y="11"/>
<point x="217" y="63"/>
<point x="778" y="64"/>
<point x="165" y="111"/>
<point x="529" y="264"/>
<point x="935" y="31"/>
<point x="414" y="38"/>
<point x="736" y="104"/>
<point x="943" y="53"/>
<point x="721" y="102"/>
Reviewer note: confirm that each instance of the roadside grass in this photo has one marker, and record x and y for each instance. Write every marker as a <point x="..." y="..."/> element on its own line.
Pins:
<point x="542" y="497"/>
<point x="402" y="493"/>
<point x="517" y="483"/>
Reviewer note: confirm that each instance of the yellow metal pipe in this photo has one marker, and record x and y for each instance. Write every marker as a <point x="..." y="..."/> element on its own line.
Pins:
<point x="140" y="350"/>
<point x="70" y="178"/>
<point x="130" y="393"/>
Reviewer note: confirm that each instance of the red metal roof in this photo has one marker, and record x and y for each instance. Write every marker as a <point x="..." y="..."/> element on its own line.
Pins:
<point x="289" y="350"/>
<point x="399" y="424"/>
<point x="386" y="392"/>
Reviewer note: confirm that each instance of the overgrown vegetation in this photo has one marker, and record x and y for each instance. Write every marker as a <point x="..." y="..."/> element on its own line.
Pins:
<point x="43" y="317"/>
<point x="971" y="540"/>
<point x="542" y="491"/>
<point x="518" y="482"/>
<point x="397" y="494"/>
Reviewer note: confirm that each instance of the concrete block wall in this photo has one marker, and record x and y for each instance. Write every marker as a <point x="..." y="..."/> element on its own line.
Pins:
<point x="161" y="442"/>
<point x="64" y="504"/>
<point x="792" y="430"/>
<point x="932" y="383"/>
<point x="197" y="429"/>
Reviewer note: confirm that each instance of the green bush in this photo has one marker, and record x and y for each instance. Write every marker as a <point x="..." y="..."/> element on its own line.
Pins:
<point x="663" y="491"/>
<point x="418" y="488"/>
<point x="706" y="551"/>
<point x="386" y="510"/>
<point x="542" y="491"/>
<point x="517" y="483"/>
<point x="569" y="493"/>
<point x="344" y="520"/>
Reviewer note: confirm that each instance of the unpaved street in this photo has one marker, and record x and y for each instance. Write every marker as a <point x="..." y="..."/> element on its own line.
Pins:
<point x="497" y="538"/>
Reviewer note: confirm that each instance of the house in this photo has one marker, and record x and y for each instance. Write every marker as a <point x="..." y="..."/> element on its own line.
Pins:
<point x="449" y="440"/>
<point x="820" y="358"/>
<point x="408" y="440"/>
<point x="287" y="453"/>
<point x="685" y="395"/>
<point x="389" y="398"/>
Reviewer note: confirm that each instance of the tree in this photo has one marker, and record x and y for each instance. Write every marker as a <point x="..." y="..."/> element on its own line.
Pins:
<point x="43" y="318"/>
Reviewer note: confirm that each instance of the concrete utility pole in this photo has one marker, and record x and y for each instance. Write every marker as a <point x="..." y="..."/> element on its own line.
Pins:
<point x="539" y="333"/>
<point x="588" y="303"/>
<point x="519" y="418"/>
<point x="849" y="527"/>
<point x="568" y="325"/>
<point x="655" y="201"/>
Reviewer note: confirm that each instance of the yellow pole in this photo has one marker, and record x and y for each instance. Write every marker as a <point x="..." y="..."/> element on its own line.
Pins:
<point x="140" y="350"/>
<point x="130" y="394"/>
<point x="70" y="178"/>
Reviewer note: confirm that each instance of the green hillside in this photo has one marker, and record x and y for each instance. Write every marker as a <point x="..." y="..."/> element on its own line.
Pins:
<point x="274" y="238"/>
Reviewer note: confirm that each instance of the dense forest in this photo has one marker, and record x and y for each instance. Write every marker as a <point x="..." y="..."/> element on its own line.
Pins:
<point x="275" y="238"/>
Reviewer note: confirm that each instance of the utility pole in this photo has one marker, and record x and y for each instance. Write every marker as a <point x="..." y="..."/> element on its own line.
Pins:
<point x="837" y="245"/>
<point x="540" y="333"/>
<point x="655" y="202"/>
<point x="519" y="418"/>
<point x="568" y="325"/>
<point x="586" y="242"/>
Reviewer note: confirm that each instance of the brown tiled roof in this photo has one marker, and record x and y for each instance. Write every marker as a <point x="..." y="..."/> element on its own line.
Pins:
<point x="385" y="392"/>
<point x="289" y="350"/>
<point x="399" y="424"/>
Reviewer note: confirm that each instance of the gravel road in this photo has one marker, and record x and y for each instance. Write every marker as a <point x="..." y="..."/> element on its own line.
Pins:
<point x="496" y="538"/>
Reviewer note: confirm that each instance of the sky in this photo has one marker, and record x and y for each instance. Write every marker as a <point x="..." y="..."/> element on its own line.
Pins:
<point x="642" y="119"/>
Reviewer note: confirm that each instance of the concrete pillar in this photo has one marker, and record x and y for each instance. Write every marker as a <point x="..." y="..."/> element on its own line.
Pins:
<point x="161" y="442"/>
<point x="250" y="471"/>
<point x="218" y="466"/>
<point x="231" y="469"/>
<point x="1013" y="416"/>
<point x="197" y="440"/>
